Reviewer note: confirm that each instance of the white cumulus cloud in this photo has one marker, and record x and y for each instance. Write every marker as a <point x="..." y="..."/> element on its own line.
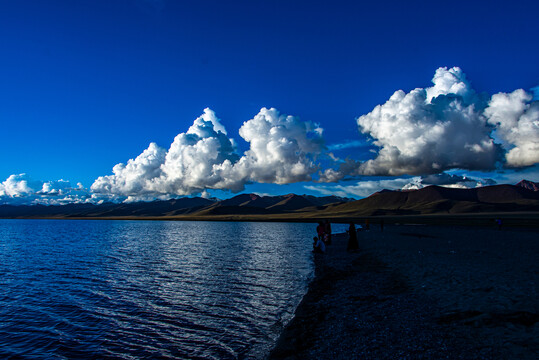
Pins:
<point x="133" y="178"/>
<point x="422" y="133"/>
<point x="516" y="118"/>
<point x="447" y="180"/>
<point x="20" y="189"/>
<point x="430" y="130"/>
<point x="16" y="186"/>
<point x="282" y="150"/>
<point x="190" y="165"/>
<point x="193" y="162"/>
<point x="443" y="127"/>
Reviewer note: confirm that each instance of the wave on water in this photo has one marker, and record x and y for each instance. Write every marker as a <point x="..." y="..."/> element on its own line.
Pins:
<point x="141" y="289"/>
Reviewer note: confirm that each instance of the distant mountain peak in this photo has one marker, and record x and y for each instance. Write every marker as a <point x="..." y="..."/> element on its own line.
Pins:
<point x="530" y="185"/>
<point x="384" y="191"/>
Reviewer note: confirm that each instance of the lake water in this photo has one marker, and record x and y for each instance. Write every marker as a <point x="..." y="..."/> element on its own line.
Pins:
<point x="148" y="289"/>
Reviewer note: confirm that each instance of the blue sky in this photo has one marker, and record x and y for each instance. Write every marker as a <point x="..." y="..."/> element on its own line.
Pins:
<point x="86" y="85"/>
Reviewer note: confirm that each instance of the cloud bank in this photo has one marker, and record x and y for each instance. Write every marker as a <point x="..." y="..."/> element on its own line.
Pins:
<point x="282" y="149"/>
<point x="21" y="189"/>
<point x="447" y="126"/>
<point x="447" y="180"/>
<point x="420" y="133"/>
<point x="431" y="130"/>
<point x="516" y="119"/>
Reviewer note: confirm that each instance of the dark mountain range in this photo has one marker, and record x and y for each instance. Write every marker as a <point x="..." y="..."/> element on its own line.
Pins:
<point x="243" y="204"/>
<point x="441" y="200"/>
<point x="246" y="204"/>
<point x="430" y="200"/>
<point x="154" y="208"/>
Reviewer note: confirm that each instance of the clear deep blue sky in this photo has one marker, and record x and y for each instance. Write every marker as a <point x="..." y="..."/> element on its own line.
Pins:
<point x="85" y="85"/>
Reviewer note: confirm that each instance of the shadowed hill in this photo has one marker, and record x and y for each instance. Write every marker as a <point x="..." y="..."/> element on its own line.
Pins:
<point x="154" y="208"/>
<point x="437" y="200"/>
<point x="425" y="201"/>
<point x="291" y="202"/>
<point x="530" y="185"/>
<point x="254" y="204"/>
<point x="244" y="204"/>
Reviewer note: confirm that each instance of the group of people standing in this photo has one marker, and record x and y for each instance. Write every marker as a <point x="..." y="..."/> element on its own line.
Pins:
<point x="323" y="237"/>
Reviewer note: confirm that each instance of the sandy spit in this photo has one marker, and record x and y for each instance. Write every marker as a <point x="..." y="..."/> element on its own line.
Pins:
<point x="421" y="292"/>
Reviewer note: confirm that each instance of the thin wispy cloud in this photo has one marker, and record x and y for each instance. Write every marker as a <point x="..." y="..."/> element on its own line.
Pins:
<point x="365" y="188"/>
<point x="347" y="145"/>
<point x="362" y="188"/>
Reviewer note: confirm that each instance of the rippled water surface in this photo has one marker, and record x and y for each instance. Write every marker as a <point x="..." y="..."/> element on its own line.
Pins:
<point x="140" y="289"/>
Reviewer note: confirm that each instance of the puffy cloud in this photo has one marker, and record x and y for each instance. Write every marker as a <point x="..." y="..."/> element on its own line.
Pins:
<point x="193" y="162"/>
<point x="207" y="124"/>
<point x="450" y="81"/>
<point x="516" y="118"/>
<point x="452" y="179"/>
<point x="282" y="148"/>
<point x="190" y="165"/>
<point x="135" y="177"/>
<point x="281" y="151"/>
<point x="447" y="126"/>
<point x="430" y="130"/>
<point x="15" y="186"/>
<point x="20" y="189"/>
<point x="447" y="180"/>
<point x="346" y="167"/>
<point x="331" y="175"/>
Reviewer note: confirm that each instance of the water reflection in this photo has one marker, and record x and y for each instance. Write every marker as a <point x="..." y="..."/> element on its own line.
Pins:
<point x="149" y="289"/>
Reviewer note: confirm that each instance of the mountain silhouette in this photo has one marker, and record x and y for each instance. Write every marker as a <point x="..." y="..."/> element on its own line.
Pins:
<point x="523" y="197"/>
<point x="530" y="185"/>
<point x="243" y="204"/>
<point x="441" y="200"/>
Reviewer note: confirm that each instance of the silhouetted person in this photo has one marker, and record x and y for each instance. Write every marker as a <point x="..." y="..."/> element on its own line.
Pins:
<point x="382" y="225"/>
<point x="352" y="238"/>
<point x="499" y="222"/>
<point x="318" y="246"/>
<point x="328" y="232"/>
<point x="321" y="230"/>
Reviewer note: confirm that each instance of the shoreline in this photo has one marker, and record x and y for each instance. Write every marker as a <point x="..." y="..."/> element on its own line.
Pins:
<point x="510" y="219"/>
<point x="419" y="291"/>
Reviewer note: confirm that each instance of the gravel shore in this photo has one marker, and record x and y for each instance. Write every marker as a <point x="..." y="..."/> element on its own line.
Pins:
<point x="421" y="292"/>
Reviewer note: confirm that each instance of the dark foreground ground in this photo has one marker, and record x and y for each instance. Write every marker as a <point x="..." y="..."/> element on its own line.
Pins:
<point x="421" y="292"/>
